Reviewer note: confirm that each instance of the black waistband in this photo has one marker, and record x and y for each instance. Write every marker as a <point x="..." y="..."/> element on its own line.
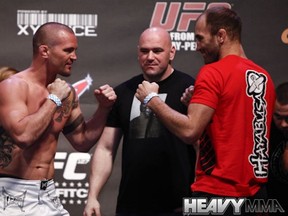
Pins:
<point x="3" y="175"/>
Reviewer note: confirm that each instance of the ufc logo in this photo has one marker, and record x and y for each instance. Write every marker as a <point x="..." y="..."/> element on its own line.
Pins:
<point x="69" y="162"/>
<point x="184" y="12"/>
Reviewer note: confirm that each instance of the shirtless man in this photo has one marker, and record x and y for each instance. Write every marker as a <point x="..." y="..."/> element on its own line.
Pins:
<point x="35" y="108"/>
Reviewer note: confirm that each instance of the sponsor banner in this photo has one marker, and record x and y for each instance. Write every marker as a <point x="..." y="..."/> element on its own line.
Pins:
<point x="28" y="21"/>
<point x="178" y="18"/>
<point x="237" y="206"/>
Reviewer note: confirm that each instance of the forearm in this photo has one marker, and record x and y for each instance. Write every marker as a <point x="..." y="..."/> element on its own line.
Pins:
<point x="92" y="129"/>
<point x="187" y="127"/>
<point x="30" y="128"/>
<point x="82" y="134"/>
<point x="177" y="123"/>
<point x="101" y="168"/>
<point x="96" y="124"/>
<point x="106" y="97"/>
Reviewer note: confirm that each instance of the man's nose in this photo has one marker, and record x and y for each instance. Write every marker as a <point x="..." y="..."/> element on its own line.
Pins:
<point x="150" y="55"/>
<point x="74" y="56"/>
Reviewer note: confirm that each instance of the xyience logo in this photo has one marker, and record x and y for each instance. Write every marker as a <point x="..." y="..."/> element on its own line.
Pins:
<point x="218" y="206"/>
<point x="177" y="17"/>
<point x="28" y="21"/>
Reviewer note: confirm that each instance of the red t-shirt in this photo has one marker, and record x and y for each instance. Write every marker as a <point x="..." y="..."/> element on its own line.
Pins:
<point x="242" y="95"/>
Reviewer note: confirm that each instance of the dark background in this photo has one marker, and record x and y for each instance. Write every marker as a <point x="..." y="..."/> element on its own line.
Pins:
<point x="110" y="57"/>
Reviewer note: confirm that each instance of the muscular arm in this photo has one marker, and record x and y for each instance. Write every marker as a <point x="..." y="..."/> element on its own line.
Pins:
<point x="101" y="167"/>
<point x="187" y="127"/>
<point x="84" y="134"/>
<point x="24" y="124"/>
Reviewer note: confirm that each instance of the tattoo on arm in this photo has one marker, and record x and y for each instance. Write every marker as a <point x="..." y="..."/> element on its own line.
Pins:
<point x="6" y="148"/>
<point x="71" y="127"/>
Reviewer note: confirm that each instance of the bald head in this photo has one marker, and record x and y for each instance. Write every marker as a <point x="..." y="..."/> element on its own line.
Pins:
<point x="48" y="34"/>
<point x="155" y="54"/>
<point x="156" y="33"/>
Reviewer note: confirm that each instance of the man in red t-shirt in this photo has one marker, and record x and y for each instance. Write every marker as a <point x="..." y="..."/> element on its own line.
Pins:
<point x="230" y="112"/>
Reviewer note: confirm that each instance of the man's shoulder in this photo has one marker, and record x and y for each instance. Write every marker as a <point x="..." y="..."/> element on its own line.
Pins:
<point x="183" y="75"/>
<point x="13" y="82"/>
<point x="131" y="83"/>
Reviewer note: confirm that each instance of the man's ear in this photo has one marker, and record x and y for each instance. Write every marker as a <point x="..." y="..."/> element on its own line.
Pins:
<point x="44" y="51"/>
<point x="221" y="35"/>
<point x="172" y="52"/>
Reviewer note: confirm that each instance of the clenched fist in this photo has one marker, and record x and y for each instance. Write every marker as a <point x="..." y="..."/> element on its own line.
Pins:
<point x="146" y="88"/>
<point x="60" y="88"/>
<point x="105" y="96"/>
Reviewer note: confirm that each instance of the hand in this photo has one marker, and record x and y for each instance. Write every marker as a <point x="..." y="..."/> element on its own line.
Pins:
<point x="105" y="96"/>
<point x="92" y="208"/>
<point x="60" y="88"/>
<point x="146" y="88"/>
<point x="186" y="96"/>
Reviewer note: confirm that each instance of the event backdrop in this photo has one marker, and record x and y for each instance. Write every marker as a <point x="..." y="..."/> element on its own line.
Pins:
<point x="107" y="33"/>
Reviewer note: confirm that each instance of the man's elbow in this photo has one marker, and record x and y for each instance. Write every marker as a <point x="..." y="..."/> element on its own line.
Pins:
<point x="188" y="138"/>
<point x="22" y="141"/>
<point x="82" y="148"/>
